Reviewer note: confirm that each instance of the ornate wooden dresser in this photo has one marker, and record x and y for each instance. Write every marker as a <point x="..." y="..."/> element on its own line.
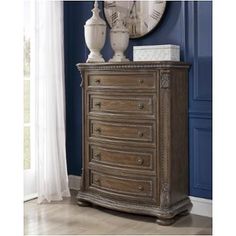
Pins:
<point x="135" y="138"/>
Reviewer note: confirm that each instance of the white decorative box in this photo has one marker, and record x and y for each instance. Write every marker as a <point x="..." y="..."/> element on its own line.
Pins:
<point x="166" y="52"/>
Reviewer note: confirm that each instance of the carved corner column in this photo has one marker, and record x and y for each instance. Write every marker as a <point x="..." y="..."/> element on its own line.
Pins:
<point x="81" y="202"/>
<point x="165" y="139"/>
<point x="82" y="183"/>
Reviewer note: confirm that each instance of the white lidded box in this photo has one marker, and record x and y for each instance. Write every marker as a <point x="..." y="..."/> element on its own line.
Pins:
<point x="167" y="52"/>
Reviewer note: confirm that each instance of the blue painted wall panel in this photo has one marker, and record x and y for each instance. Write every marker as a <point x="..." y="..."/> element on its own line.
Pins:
<point x="187" y="24"/>
<point x="200" y="161"/>
<point x="199" y="54"/>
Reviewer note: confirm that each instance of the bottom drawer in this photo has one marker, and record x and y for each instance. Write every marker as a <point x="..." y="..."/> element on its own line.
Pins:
<point x="122" y="185"/>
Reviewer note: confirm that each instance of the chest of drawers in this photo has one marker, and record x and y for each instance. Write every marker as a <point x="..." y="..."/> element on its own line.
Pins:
<point x="135" y="138"/>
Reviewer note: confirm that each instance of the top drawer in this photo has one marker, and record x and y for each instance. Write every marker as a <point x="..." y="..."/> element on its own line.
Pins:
<point x="123" y="81"/>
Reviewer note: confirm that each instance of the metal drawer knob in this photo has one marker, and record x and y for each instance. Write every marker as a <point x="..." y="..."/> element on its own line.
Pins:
<point x="140" y="161"/>
<point x="98" y="104"/>
<point x="140" y="106"/>
<point x="97" y="180"/>
<point x="97" y="156"/>
<point x="141" y="81"/>
<point x="97" y="81"/>
<point x="140" y="188"/>
<point x="98" y="130"/>
<point x="140" y="134"/>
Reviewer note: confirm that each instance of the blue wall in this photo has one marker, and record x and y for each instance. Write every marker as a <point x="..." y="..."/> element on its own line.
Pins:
<point x="187" y="24"/>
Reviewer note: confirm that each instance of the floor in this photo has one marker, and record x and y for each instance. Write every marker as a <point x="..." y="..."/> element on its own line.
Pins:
<point x="66" y="218"/>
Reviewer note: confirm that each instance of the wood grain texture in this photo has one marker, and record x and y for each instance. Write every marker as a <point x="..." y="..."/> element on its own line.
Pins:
<point x="123" y="185"/>
<point x="135" y="150"/>
<point x="121" y="158"/>
<point x="103" y="80"/>
<point x="121" y="131"/>
<point x="116" y="103"/>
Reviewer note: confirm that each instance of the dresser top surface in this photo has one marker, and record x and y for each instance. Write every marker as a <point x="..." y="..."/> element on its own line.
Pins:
<point x="134" y="65"/>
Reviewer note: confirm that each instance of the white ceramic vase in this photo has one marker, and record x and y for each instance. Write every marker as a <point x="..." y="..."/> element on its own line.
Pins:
<point x="95" y="35"/>
<point x="119" y="37"/>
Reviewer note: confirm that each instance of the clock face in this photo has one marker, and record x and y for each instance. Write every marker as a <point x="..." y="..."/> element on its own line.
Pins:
<point x="140" y="17"/>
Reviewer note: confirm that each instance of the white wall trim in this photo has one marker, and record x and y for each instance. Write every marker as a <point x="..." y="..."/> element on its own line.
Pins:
<point x="30" y="197"/>
<point x="74" y="182"/>
<point x="201" y="206"/>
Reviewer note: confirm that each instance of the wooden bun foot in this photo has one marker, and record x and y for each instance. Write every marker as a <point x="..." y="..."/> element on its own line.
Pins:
<point x="165" y="222"/>
<point x="83" y="203"/>
<point x="184" y="213"/>
<point x="162" y="221"/>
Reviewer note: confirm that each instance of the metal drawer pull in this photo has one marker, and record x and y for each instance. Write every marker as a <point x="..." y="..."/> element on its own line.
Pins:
<point x="97" y="81"/>
<point x="141" y="81"/>
<point x="140" y="188"/>
<point x="97" y="156"/>
<point x="98" y="130"/>
<point x="97" y="104"/>
<point x="140" y="161"/>
<point x="140" y="106"/>
<point x="140" y="134"/>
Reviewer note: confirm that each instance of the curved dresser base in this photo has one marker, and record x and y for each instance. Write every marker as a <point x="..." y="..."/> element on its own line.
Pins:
<point x="164" y="216"/>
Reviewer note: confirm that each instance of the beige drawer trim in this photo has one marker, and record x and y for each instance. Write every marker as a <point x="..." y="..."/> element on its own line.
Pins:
<point x="124" y="81"/>
<point x="131" y="104"/>
<point x="122" y="158"/>
<point x="122" y="131"/>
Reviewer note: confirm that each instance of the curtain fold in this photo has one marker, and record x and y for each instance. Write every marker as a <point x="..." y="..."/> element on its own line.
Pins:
<point x="52" y="178"/>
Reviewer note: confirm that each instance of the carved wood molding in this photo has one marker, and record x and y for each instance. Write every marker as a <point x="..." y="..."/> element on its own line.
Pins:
<point x="82" y="184"/>
<point x="135" y="207"/>
<point x="165" y="79"/>
<point x="132" y="65"/>
<point x="82" y="78"/>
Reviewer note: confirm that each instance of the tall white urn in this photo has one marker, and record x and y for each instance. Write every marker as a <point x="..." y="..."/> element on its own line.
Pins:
<point x="119" y="37"/>
<point x="95" y="35"/>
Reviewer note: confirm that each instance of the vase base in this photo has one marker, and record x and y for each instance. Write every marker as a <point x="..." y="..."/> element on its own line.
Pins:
<point x="118" y="59"/>
<point x="95" y="56"/>
<point x="93" y="60"/>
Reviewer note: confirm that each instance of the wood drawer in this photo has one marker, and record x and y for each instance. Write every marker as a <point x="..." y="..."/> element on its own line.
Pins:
<point x="122" y="185"/>
<point x="134" y="104"/>
<point x="124" y="158"/>
<point x="140" y="132"/>
<point x="124" y="81"/>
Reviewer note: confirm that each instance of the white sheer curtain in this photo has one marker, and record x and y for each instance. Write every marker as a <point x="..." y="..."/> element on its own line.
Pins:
<point x="52" y="178"/>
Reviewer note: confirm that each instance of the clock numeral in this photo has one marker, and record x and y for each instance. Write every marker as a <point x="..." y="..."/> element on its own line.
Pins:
<point x="133" y="29"/>
<point x="114" y="17"/>
<point x="156" y="15"/>
<point x="145" y="23"/>
<point x="110" y="4"/>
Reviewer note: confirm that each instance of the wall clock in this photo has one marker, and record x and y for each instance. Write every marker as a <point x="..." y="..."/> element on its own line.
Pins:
<point x="140" y="17"/>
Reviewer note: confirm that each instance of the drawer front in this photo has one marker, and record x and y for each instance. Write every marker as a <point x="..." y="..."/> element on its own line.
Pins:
<point x="124" y="81"/>
<point x="129" y="104"/>
<point x="125" y="159"/>
<point x="122" y="185"/>
<point x="122" y="131"/>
